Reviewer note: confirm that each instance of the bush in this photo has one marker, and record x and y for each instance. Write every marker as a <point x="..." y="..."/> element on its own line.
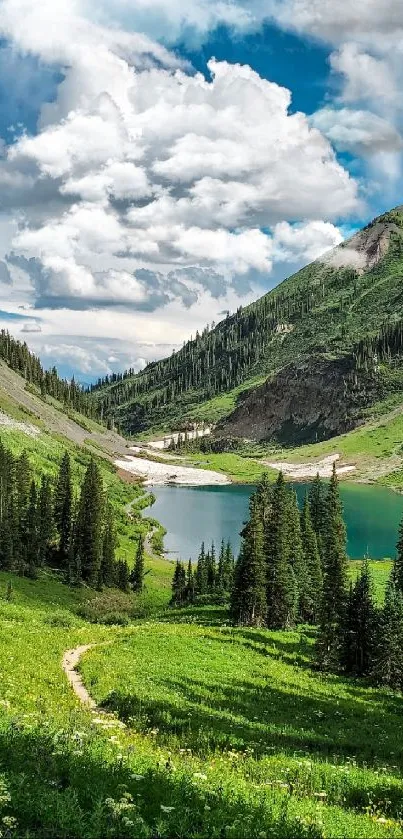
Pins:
<point x="59" y="619"/>
<point x="110" y="602"/>
<point x="116" y="619"/>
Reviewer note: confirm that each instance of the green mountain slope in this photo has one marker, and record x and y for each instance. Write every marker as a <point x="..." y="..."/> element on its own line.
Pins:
<point x="316" y="326"/>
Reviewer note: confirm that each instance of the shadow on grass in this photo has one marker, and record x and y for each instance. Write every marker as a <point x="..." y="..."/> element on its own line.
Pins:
<point x="59" y="791"/>
<point x="241" y="715"/>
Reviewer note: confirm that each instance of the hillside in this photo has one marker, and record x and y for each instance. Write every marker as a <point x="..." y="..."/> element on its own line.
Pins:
<point x="332" y="328"/>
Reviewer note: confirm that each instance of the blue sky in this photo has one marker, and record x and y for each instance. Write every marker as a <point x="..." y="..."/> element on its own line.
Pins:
<point x="166" y="162"/>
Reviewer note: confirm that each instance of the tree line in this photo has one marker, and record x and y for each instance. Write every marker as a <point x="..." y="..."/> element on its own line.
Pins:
<point x="222" y="356"/>
<point x="46" y="523"/>
<point x="18" y="357"/>
<point x="210" y="581"/>
<point x="292" y="569"/>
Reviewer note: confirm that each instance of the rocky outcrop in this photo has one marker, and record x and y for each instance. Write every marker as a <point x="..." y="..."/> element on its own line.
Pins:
<point x="307" y="401"/>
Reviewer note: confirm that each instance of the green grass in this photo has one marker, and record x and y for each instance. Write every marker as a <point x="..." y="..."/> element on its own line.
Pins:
<point x="233" y="734"/>
<point x="380" y="571"/>
<point x="247" y="706"/>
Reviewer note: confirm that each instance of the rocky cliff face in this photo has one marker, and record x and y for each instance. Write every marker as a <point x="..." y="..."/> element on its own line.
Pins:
<point x="308" y="401"/>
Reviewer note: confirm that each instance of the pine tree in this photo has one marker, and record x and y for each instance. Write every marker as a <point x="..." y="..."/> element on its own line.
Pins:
<point x="190" y="583"/>
<point x="178" y="585"/>
<point x="89" y="527"/>
<point x="211" y="569"/>
<point x="313" y="565"/>
<point x="248" y="602"/>
<point x="398" y="565"/>
<point x="317" y="505"/>
<point x="360" y="624"/>
<point x="122" y="575"/>
<point x="137" y="575"/>
<point x="297" y="560"/>
<point x="281" y="583"/>
<point x="63" y="506"/>
<point x="334" y="597"/>
<point x="388" y="663"/>
<point x="109" y="543"/>
<point x="31" y="533"/>
<point x="45" y="521"/>
<point x="201" y="572"/>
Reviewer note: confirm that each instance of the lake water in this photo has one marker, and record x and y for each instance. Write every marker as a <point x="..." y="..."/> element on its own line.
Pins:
<point x="194" y="514"/>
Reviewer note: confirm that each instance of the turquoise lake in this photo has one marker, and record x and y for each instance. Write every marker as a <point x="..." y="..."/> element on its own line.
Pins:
<point x="194" y="514"/>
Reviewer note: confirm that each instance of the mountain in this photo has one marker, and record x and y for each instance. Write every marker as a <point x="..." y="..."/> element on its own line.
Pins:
<point x="304" y="362"/>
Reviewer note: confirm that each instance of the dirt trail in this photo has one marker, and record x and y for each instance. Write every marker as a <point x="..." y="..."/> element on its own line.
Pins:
<point x="71" y="659"/>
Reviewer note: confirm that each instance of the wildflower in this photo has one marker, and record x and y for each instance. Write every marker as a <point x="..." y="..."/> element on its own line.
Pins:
<point x="200" y="775"/>
<point x="320" y="794"/>
<point x="166" y="809"/>
<point x="138" y="777"/>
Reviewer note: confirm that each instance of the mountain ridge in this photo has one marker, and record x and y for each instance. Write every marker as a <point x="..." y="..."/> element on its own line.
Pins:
<point x="322" y="312"/>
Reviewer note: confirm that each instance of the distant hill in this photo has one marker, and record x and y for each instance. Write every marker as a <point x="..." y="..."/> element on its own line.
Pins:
<point x="304" y="362"/>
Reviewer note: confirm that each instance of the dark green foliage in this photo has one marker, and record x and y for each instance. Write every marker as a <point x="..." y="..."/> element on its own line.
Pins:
<point x="281" y="577"/>
<point x="317" y="504"/>
<point x="287" y="558"/>
<point x="18" y="357"/>
<point x="88" y="535"/>
<point x="122" y="575"/>
<point x="178" y="585"/>
<point x="41" y="525"/>
<point x="388" y="664"/>
<point x="309" y="609"/>
<point x="137" y="575"/>
<point x="63" y="504"/>
<point x="360" y="626"/>
<point x="209" y="583"/>
<point x="109" y="543"/>
<point x="334" y="599"/>
<point x="249" y="602"/>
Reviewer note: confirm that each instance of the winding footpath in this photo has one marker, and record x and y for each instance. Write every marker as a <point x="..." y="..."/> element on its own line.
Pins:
<point x="70" y="661"/>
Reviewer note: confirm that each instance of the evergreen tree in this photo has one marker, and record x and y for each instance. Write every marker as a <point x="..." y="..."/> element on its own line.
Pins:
<point x="359" y="628"/>
<point x="63" y="505"/>
<point x="211" y="568"/>
<point x="313" y="565"/>
<point x="178" y="585"/>
<point x="388" y="664"/>
<point x="398" y="565"/>
<point x="45" y="521"/>
<point x="190" y="583"/>
<point x="109" y="543"/>
<point x="31" y="533"/>
<point x="201" y="572"/>
<point x="302" y="588"/>
<point x="122" y="575"/>
<point x="334" y="597"/>
<point x="89" y="527"/>
<point x="248" y="602"/>
<point x="317" y="505"/>
<point x="137" y="575"/>
<point x="281" y="588"/>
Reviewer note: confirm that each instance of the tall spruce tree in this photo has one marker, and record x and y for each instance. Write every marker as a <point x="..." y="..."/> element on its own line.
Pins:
<point x="297" y="560"/>
<point x="317" y="506"/>
<point x="178" y="585"/>
<point x="122" y="575"/>
<point x="63" y="508"/>
<point x="281" y="583"/>
<point x="109" y="544"/>
<point x="360" y="625"/>
<point x="388" y="659"/>
<point x="190" y="583"/>
<point x="45" y="521"/>
<point x="31" y="533"/>
<point x="89" y="527"/>
<point x="313" y="566"/>
<point x="335" y="582"/>
<point x="248" y="602"/>
<point x="398" y="565"/>
<point x="137" y="575"/>
<point x="201" y="572"/>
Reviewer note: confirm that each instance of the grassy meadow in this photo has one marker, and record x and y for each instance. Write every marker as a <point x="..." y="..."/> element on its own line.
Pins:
<point x="210" y="731"/>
